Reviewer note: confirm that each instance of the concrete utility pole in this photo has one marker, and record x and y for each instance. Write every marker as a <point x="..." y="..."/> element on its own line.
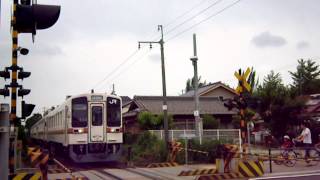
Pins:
<point x="164" y="106"/>
<point x="198" y="120"/>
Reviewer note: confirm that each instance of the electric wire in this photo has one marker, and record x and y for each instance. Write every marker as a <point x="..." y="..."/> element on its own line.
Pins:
<point x="116" y="68"/>
<point x="115" y="76"/>
<point x="192" y="17"/>
<point x="183" y="14"/>
<point x="209" y="17"/>
<point x="171" y="30"/>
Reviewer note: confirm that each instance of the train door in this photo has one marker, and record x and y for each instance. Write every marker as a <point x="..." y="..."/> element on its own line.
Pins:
<point x="96" y="117"/>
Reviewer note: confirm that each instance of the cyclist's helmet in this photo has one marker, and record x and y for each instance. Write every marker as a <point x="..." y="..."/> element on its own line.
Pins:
<point x="286" y="137"/>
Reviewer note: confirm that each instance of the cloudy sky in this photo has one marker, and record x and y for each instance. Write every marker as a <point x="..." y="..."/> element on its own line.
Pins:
<point x="94" y="44"/>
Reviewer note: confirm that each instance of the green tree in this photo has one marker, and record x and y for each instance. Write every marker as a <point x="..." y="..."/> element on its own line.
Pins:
<point x="209" y="122"/>
<point x="306" y="78"/>
<point x="190" y="84"/>
<point x="277" y="108"/>
<point x="150" y="121"/>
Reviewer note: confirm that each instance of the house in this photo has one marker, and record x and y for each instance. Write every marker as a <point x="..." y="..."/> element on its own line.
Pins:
<point x="180" y="107"/>
<point x="217" y="89"/>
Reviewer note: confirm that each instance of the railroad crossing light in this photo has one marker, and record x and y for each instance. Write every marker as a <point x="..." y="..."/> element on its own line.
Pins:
<point x="5" y="74"/>
<point x="29" y="18"/>
<point x="4" y="92"/>
<point x="23" y="74"/>
<point x="23" y="92"/>
<point x="26" y="109"/>
<point x="229" y="104"/>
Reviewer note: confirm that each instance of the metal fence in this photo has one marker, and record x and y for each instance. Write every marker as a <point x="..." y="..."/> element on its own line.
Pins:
<point x="226" y="135"/>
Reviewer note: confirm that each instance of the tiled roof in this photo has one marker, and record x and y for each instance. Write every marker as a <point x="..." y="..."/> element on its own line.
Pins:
<point x="180" y="105"/>
<point x="125" y="100"/>
<point x="206" y="88"/>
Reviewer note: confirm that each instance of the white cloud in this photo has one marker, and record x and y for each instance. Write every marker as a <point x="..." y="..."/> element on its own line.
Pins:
<point x="266" y="39"/>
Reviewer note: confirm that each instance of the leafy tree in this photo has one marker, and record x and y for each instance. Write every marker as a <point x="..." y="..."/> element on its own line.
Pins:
<point x="190" y="84"/>
<point x="277" y="108"/>
<point x="150" y="121"/>
<point x="209" y="122"/>
<point x="306" y="78"/>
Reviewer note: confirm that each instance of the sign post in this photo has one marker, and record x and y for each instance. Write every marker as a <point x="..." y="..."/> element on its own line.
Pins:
<point x="186" y="138"/>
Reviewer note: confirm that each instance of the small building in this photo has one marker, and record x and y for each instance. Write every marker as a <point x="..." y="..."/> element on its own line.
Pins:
<point x="217" y="89"/>
<point x="181" y="108"/>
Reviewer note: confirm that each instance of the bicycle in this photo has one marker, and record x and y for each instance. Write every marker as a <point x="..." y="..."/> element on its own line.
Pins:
<point x="288" y="157"/>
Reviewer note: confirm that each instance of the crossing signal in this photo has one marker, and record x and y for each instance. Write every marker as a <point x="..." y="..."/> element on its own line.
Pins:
<point x="23" y="92"/>
<point x="230" y="104"/>
<point x="4" y="92"/>
<point x="23" y="74"/>
<point x="26" y="109"/>
<point x="5" y="74"/>
<point x="29" y="18"/>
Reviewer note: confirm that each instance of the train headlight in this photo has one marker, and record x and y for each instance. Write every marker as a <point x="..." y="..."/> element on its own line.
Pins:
<point x="81" y="130"/>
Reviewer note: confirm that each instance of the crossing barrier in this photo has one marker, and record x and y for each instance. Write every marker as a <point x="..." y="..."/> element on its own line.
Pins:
<point x="197" y="172"/>
<point x="39" y="159"/>
<point x="251" y="168"/>
<point x="25" y="176"/>
<point x="166" y="164"/>
<point x="220" y="176"/>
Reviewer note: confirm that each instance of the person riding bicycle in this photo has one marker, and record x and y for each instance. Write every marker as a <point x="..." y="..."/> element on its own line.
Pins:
<point x="287" y="143"/>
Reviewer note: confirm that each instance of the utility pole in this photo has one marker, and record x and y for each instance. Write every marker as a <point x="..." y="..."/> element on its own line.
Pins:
<point x="164" y="106"/>
<point x="198" y="120"/>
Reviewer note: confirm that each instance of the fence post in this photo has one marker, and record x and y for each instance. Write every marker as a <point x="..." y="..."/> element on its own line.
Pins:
<point x="171" y="135"/>
<point x="240" y="143"/>
<point x="218" y="135"/>
<point x="161" y="136"/>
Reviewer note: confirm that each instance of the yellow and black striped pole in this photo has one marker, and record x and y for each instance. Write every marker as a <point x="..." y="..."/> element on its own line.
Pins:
<point x="13" y="115"/>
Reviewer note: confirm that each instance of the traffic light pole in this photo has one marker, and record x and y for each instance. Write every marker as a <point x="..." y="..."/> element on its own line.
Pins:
<point x="163" y="72"/>
<point x="13" y="113"/>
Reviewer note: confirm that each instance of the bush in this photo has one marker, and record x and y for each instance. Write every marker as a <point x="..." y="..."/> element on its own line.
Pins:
<point x="148" y="149"/>
<point x="209" y="122"/>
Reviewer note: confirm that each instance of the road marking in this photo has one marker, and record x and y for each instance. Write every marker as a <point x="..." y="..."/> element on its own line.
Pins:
<point x="288" y="176"/>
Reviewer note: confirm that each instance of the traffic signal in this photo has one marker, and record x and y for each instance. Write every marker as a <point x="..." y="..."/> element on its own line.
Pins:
<point x="29" y="18"/>
<point x="23" y="74"/>
<point x="26" y="109"/>
<point x="23" y="92"/>
<point x="4" y="92"/>
<point x="230" y="104"/>
<point x="5" y="74"/>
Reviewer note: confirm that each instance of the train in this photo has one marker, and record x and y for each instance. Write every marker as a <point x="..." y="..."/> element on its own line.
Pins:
<point x="85" y="127"/>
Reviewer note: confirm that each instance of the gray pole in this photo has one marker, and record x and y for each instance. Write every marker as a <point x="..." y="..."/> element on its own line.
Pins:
<point x="198" y="121"/>
<point x="164" y="106"/>
<point x="164" y="89"/>
<point x="4" y="140"/>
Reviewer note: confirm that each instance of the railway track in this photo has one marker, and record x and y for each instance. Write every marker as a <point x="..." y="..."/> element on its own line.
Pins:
<point x="102" y="171"/>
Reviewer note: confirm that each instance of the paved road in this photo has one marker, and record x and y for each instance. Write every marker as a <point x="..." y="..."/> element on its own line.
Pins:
<point x="169" y="173"/>
<point x="312" y="176"/>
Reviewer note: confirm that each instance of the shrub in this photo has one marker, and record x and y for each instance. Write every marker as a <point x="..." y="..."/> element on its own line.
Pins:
<point x="209" y="122"/>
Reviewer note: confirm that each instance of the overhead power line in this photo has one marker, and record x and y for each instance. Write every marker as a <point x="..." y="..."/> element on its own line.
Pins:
<point x="192" y="17"/>
<point x="116" y="68"/>
<point x="183" y="14"/>
<point x="211" y="16"/>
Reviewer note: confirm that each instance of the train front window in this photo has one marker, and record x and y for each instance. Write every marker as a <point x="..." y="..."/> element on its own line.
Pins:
<point x="80" y="112"/>
<point x="113" y="112"/>
<point x="97" y="115"/>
